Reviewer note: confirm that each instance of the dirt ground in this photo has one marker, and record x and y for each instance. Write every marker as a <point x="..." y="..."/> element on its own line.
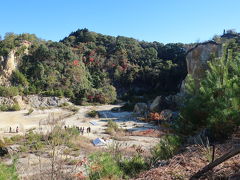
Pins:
<point x="137" y="134"/>
<point x="125" y="120"/>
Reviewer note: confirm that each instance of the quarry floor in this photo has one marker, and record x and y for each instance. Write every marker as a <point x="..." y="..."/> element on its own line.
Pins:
<point x="28" y="164"/>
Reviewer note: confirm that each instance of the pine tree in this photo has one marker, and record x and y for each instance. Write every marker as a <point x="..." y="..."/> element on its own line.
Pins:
<point x="216" y="104"/>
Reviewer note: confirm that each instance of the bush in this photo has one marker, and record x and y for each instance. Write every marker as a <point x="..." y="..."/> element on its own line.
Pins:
<point x="8" y="172"/>
<point x="166" y="148"/>
<point x="8" y="91"/>
<point x="103" y="166"/>
<point x="106" y="94"/>
<point x="92" y="113"/>
<point x="112" y="127"/>
<point x="19" y="79"/>
<point x="14" y="107"/>
<point x="68" y="93"/>
<point x="133" y="166"/>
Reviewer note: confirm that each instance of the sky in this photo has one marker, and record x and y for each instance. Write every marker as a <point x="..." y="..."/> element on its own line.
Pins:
<point x="165" y="21"/>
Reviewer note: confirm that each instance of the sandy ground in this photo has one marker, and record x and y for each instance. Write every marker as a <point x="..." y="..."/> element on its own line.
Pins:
<point x="125" y="120"/>
<point x="29" y="164"/>
<point x="23" y="121"/>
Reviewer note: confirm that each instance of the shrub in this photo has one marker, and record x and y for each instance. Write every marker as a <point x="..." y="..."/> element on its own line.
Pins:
<point x="92" y="113"/>
<point x="103" y="165"/>
<point x="14" y="107"/>
<point x="8" y="91"/>
<point x="19" y="79"/>
<point x="166" y="148"/>
<point x="112" y="127"/>
<point x="8" y="172"/>
<point x="133" y="166"/>
<point x="68" y="93"/>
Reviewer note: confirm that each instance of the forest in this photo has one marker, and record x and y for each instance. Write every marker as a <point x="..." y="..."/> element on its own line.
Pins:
<point x="88" y="66"/>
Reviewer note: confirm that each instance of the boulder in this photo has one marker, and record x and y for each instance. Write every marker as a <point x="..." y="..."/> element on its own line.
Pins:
<point x="166" y="114"/>
<point x="140" y="108"/>
<point x="158" y="104"/>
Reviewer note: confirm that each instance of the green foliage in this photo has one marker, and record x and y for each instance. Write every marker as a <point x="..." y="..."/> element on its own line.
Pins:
<point x="14" y="107"/>
<point x="19" y="79"/>
<point x="215" y="103"/>
<point x="87" y="64"/>
<point x="92" y="113"/>
<point x="133" y="166"/>
<point x="8" y="91"/>
<point x="103" y="166"/>
<point x="112" y="127"/>
<point x="166" y="148"/>
<point x="8" y="172"/>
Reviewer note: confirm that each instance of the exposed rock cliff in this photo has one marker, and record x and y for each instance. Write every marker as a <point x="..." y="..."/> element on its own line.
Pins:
<point x="198" y="56"/>
<point x="9" y="63"/>
<point x="197" y="59"/>
<point x="34" y="101"/>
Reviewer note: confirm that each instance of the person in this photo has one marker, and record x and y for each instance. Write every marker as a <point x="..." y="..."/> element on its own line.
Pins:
<point x="83" y="131"/>
<point x="89" y="130"/>
<point x="80" y="130"/>
<point x="17" y="129"/>
<point x="10" y="129"/>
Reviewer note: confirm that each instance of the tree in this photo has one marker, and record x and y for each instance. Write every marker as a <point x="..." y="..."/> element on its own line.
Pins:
<point x="215" y="104"/>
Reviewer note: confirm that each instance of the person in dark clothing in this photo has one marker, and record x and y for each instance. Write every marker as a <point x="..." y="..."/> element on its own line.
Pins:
<point x="10" y="129"/>
<point x="17" y="129"/>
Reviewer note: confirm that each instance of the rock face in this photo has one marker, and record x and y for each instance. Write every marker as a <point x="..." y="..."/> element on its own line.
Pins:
<point x="140" y="108"/>
<point x="197" y="59"/>
<point x="9" y="63"/>
<point x="39" y="101"/>
<point x="33" y="101"/>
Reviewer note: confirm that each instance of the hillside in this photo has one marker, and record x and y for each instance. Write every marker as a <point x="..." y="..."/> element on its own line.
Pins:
<point x="87" y="66"/>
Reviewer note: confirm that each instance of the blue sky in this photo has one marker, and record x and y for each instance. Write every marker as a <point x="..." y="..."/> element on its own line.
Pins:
<point x="150" y="20"/>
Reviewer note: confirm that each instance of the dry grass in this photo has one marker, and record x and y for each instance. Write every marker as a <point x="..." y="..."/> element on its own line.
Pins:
<point x="194" y="158"/>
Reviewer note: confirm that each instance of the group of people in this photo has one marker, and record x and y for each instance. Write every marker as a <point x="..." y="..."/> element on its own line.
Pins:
<point x="11" y="131"/>
<point x="81" y="129"/>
